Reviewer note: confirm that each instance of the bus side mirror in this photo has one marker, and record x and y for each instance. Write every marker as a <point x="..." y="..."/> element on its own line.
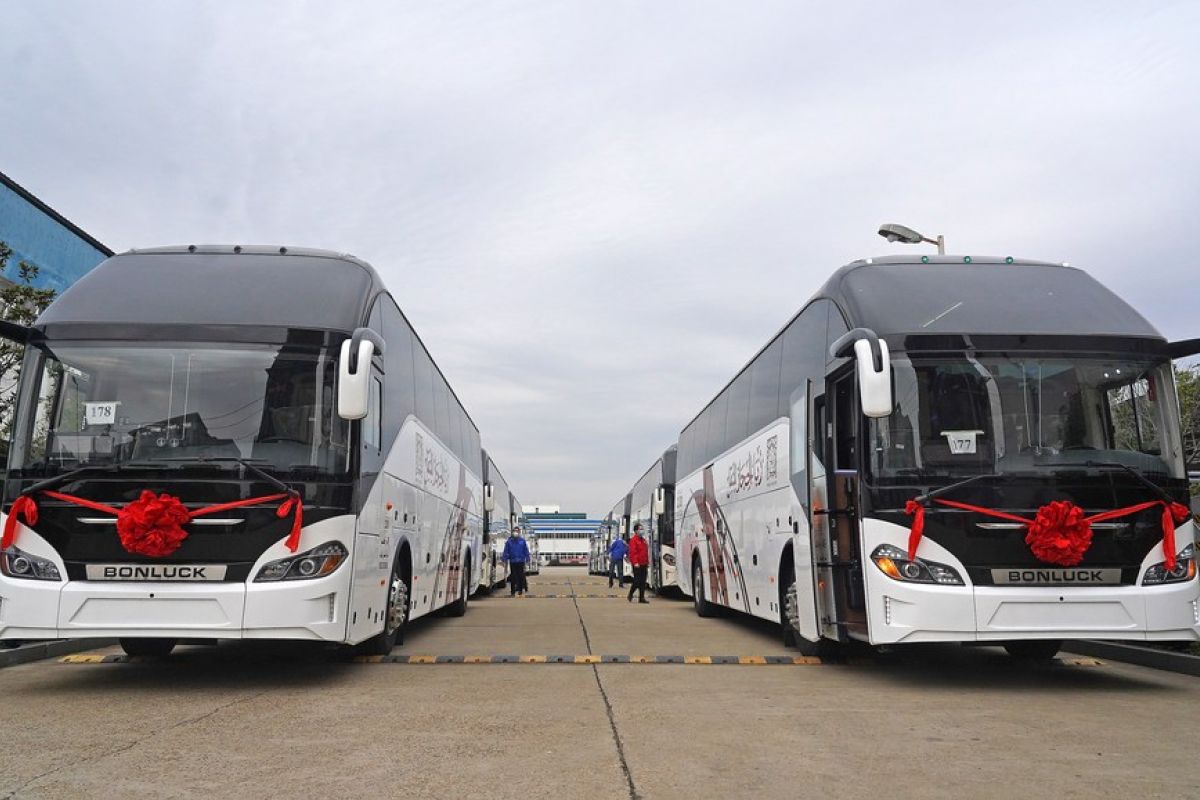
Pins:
<point x="14" y="332"/>
<point x="874" y="369"/>
<point x="1188" y="347"/>
<point x="660" y="501"/>
<point x="874" y="385"/>
<point x="354" y="373"/>
<point x="489" y="498"/>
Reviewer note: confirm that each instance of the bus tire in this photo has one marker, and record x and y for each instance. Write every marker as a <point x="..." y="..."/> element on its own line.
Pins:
<point x="789" y="611"/>
<point x="459" y="607"/>
<point x="1034" y="651"/>
<point x="703" y="607"/>
<point x="395" y="618"/>
<point x="148" y="648"/>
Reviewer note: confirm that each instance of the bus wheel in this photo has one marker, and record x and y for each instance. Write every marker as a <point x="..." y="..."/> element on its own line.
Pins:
<point x="703" y="607"/>
<point x="395" y="620"/>
<point x="459" y="607"/>
<point x="789" y="607"/>
<point x="148" y="648"/>
<point x="1034" y="651"/>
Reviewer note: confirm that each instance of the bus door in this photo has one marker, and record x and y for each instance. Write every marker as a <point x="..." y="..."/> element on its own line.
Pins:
<point x="844" y="555"/>
<point x="810" y="526"/>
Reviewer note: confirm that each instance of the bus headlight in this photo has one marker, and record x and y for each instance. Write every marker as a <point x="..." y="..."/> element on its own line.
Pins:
<point x="894" y="562"/>
<point x="1185" y="569"/>
<point x="18" y="564"/>
<point x="316" y="563"/>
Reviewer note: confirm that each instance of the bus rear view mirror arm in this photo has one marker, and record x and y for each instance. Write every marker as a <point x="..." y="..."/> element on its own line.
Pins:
<point x="1188" y="347"/>
<point x="14" y="332"/>
<point x="874" y="369"/>
<point x="354" y="372"/>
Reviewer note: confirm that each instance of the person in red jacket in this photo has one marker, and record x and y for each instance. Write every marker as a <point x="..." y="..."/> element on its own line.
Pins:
<point x="639" y="559"/>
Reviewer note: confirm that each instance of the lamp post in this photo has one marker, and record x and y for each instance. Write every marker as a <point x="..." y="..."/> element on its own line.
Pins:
<point x="899" y="233"/>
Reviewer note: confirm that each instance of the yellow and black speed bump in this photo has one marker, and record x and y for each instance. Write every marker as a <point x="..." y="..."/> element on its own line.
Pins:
<point x="589" y="658"/>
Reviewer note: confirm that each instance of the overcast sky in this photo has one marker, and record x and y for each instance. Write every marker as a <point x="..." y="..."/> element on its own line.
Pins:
<point x="595" y="213"/>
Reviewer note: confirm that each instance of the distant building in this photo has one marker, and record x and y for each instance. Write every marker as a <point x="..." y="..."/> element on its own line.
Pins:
<point x="563" y="537"/>
<point x="62" y="251"/>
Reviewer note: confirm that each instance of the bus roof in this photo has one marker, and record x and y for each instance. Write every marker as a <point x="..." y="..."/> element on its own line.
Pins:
<point x="222" y="285"/>
<point x="964" y="295"/>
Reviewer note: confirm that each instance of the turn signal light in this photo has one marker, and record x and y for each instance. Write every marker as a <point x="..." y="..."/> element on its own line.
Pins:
<point x="889" y="567"/>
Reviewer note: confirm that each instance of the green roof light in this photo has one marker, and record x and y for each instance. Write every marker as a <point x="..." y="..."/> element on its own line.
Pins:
<point x="966" y="259"/>
<point x="1008" y="259"/>
<point x="924" y="259"/>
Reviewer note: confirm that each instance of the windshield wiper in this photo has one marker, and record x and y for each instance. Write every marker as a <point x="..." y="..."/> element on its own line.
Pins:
<point x="247" y="464"/>
<point x="66" y="477"/>
<point x="924" y="498"/>
<point x="1142" y="479"/>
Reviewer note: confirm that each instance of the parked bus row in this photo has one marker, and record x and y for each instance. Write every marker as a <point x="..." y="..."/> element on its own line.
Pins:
<point x="239" y="442"/>
<point x="949" y="449"/>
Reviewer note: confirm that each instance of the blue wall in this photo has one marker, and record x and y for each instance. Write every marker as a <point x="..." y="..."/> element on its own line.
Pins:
<point x="37" y="236"/>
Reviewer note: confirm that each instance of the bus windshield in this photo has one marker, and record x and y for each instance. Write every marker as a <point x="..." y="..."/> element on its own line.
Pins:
<point x="107" y="403"/>
<point x="978" y="414"/>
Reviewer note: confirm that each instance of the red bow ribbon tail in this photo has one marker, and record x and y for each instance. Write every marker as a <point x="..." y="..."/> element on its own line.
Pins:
<point x="285" y="508"/>
<point x="23" y="506"/>
<point x="917" y="512"/>
<point x="1175" y="512"/>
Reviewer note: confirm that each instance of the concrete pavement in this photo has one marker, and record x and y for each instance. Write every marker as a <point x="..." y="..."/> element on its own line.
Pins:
<point x="242" y="720"/>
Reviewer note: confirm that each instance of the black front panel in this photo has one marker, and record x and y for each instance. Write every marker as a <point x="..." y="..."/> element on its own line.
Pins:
<point x="237" y="546"/>
<point x="981" y="549"/>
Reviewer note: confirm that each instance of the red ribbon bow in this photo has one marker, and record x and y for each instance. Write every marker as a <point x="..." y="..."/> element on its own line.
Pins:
<point x="153" y="524"/>
<point x="1058" y="535"/>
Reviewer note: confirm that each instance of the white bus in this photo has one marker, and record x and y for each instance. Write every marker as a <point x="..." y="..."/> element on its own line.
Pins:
<point x="616" y="527"/>
<point x="949" y="449"/>
<point x="234" y="442"/>
<point x="498" y="523"/>
<point x="652" y="504"/>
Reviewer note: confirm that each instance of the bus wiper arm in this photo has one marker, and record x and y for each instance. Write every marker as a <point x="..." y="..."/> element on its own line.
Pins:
<point x="924" y="498"/>
<point x="66" y="477"/>
<point x="1142" y="479"/>
<point x="247" y="465"/>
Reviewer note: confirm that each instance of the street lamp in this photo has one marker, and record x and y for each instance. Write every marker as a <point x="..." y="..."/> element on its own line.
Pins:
<point x="898" y="233"/>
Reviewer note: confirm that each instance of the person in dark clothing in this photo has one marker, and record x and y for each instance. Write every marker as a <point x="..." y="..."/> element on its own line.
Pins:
<point x="639" y="559"/>
<point x="616" y="561"/>
<point x="516" y="553"/>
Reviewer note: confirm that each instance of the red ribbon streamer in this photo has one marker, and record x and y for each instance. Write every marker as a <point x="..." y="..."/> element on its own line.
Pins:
<point x="1172" y="513"/>
<point x="26" y="507"/>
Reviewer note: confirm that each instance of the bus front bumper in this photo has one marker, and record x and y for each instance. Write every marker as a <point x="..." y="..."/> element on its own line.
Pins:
<point x="312" y="610"/>
<point x="912" y="612"/>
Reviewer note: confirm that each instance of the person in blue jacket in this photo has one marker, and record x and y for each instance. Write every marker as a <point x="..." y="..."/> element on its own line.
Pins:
<point x="516" y="553"/>
<point x="616" y="562"/>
